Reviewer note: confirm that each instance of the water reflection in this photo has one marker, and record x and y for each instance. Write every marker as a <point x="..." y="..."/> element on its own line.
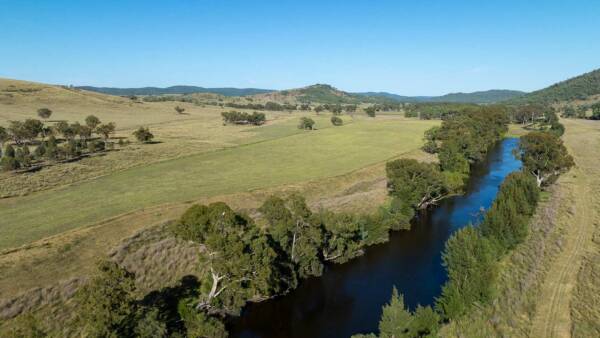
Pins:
<point x="348" y="298"/>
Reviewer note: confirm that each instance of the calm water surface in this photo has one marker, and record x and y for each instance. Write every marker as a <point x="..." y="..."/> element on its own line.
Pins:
<point x="348" y="298"/>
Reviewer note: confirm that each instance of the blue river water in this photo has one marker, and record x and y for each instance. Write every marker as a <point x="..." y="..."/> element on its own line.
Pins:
<point x="348" y="298"/>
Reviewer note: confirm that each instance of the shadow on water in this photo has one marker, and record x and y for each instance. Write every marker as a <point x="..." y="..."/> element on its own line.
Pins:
<point x="348" y="298"/>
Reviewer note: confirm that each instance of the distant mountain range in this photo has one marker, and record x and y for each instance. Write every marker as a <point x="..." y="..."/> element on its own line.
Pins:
<point x="175" y="90"/>
<point x="317" y="93"/>
<point x="488" y="96"/>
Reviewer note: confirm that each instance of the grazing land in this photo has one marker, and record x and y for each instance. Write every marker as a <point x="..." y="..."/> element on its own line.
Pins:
<point x="285" y="160"/>
<point x="79" y="211"/>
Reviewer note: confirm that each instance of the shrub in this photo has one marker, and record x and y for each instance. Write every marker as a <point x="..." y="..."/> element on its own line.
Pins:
<point x="142" y="134"/>
<point x="306" y="123"/>
<point x="370" y="111"/>
<point x="336" y="121"/>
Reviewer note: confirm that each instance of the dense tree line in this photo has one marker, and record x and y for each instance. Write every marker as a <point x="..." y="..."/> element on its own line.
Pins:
<point x="241" y="261"/>
<point x="237" y="117"/>
<point x="433" y="111"/>
<point x="472" y="254"/>
<point x="581" y="111"/>
<point x="272" y="106"/>
<point x="465" y="138"/>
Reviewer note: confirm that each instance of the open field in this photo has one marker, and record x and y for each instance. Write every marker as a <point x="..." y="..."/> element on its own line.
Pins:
<point x="295" y="158"/>
<point x="76" y="212"/>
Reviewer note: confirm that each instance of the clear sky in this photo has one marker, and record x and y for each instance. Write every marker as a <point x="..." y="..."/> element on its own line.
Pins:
<point x="404" y="47"/>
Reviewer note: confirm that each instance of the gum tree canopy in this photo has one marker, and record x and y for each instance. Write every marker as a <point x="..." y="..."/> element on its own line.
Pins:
<point x="544" y="156"/>
<point x="416" y="184"/>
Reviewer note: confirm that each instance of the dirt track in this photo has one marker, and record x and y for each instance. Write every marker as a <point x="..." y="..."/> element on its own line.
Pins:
<point x="552" y="318"/>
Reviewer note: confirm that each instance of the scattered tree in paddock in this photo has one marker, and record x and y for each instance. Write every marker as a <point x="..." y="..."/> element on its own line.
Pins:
<point x="21" y="132"/>
<point x="336" y="121"/>
<point x="143" y="135"/>
<point x="544" y="156"/>
<point x="92" y="122"/>
<point x="106" y="130"/>
<point x="305" y="107"/>
<point x="306" y="123"/>
<point x="179" y="110"/>
<point x="4" y="136"/>
<point x="44" y="113"/>
<point x="370" y="111"/>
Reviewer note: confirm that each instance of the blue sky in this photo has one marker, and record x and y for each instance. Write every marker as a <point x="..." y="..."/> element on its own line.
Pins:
<point x="404" y="47"/>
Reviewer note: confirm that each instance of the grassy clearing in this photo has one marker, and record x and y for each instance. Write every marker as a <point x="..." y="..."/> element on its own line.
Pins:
<point x="299" y="157"/>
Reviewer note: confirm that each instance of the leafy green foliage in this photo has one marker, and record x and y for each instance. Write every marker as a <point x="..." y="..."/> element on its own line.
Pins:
<point x="370" y="111"/>
<point x="106" y="129"/>
<point x="470" y="260"/>
<point x="306" y="123"/>
<point x="336" y="121"/>
<point x="291" y="225"/>
<point x="343" y="240"/>
<point x="92" y="122"/>
<point x="544" y="156"/>
<point x="398" y="322"/>
<point x="237" y="117"/>
<point x="577" y="88"/>
<point x="506" y="223"/>
<point x="44" y="113"/>
<point x="107" y="306"/>
<point x="143" y="135"/>
<point x="395" y="319"/>
<point x="416" y="184"/>
<point x="240" y="261"/>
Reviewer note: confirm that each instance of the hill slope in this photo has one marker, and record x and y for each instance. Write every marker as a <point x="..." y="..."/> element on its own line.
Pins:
<point x="227" y="91"/>
<point x="321" y="93"/>
<point x="578" y="88"/>
<point x="488" y="96"/>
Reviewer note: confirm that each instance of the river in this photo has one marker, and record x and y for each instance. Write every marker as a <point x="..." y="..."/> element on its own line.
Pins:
<point x="348" y="298"/>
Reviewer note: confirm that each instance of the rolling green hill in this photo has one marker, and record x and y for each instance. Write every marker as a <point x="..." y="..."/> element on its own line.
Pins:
<point x="578" y="88"/>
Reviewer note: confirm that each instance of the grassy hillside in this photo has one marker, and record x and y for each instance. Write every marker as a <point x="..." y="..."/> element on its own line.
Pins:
<point x="21" y="99"/>
<point x="318" y="93"/>
<point x="488" y="96"/>
<point x="578" y="88"/>
<point x="227" y="91"/>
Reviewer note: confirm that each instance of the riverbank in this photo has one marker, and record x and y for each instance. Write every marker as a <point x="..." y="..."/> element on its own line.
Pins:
<point x="348" y="298"/>
<point x="540" y="292"/>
